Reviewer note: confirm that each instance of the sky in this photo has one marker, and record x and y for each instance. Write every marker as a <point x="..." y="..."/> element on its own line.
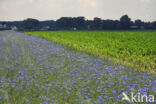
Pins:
<point x="54" y="9"/>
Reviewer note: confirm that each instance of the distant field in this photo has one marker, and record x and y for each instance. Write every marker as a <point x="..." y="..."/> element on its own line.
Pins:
<point x="133" y="49"/>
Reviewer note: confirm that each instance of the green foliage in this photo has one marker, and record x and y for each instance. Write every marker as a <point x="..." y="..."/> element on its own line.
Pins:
<point x="30" y="23"/>
<point x="134" y="49"/>
<point x="125" y="22"/>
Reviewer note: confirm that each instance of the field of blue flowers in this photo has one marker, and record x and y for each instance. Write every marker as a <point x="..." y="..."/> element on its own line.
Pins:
<point x="38" y="71"/>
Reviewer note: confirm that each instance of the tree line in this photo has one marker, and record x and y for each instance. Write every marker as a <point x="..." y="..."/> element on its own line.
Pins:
<point x="80" y="23"/>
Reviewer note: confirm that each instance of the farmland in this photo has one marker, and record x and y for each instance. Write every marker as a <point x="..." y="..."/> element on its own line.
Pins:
<point x="133" y="49"/>
<point x="34" y="70"/>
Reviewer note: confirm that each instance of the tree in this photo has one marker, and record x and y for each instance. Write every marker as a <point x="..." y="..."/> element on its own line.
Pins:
<point x="154" y="25"/>
<point x="97" y="23"/>
<point x="30" y="24"/>
<point x="138" y="23"/>
<point x="65" y="23"/>
<point x="80" y="23"/>
<point x="125" y="22"/>
<point x="49" y="23"/>
<point x="110" y="24"/>
<point x="3" y="23"/>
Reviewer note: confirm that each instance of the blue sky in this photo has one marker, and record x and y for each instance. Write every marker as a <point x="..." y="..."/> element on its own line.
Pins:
<point x="54" y="9"/>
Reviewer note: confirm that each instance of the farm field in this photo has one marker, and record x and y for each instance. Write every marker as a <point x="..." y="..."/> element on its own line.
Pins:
<point x="35" y="70"/>
<point x="134" y="49"/>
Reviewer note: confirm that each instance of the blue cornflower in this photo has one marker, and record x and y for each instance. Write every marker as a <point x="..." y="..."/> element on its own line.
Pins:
<point x="45" y="103"/>
<point x="37" y="85"/>
<point x="114" y="92"/>
<point x="86" y="96"/>
<point x="76" y="100"/>
<point x="15" y="81"/>
<point x="117" y="97"/>
<point x="21" y="88"/>
<point x="81" y="102"/>
<point x="100" y="97"/>
<point x="104" y="92"/>
<point x="121" y="90"/>
<point x="145" y="93"/>
<point x="0" y="98"/>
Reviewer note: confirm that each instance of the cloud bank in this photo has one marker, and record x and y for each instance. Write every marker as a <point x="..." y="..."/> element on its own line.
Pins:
<point x="54" y="9"/>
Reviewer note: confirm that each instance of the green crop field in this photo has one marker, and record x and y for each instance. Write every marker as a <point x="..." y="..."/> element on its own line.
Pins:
<point x="133" y="49"/>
